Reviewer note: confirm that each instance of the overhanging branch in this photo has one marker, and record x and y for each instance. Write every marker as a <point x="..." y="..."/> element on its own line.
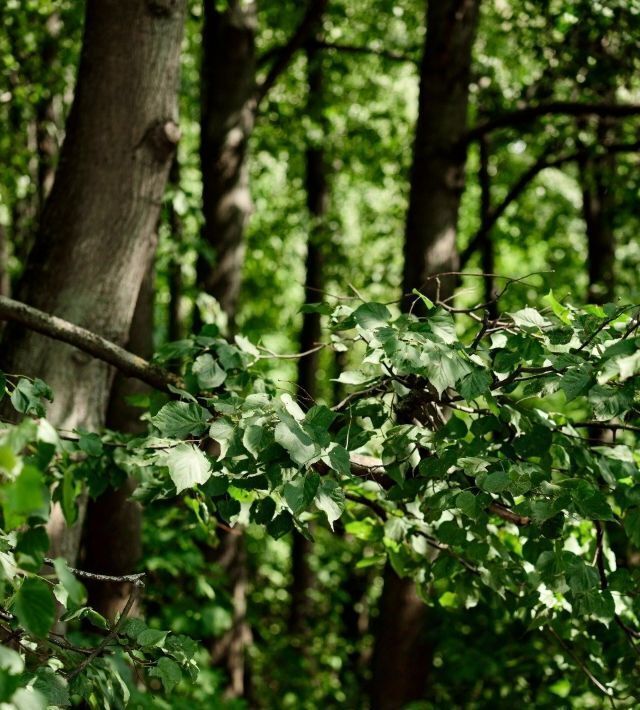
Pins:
<point x="91" y="343"/>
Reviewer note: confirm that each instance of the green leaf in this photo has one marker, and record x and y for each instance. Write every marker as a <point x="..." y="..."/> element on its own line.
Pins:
<point x="76" y="591"/>
<point x="222" y="431"/>
<point x="254" y="439"/>
<point x="169" y="673"/>
<point x="467" y="503"/>
<point x="53" y="686"/>
<point x="280" y="525"/>
<point x="561" y="312"/>
<point x="443" y="326"/>
<point x="151" y="637"/>
<point x="475" y="384"/>
<point x="576" y="381"/>
<point x="24" y="497"/>
<point x="208" y="373"/>
<point x="262" y="511"/>
<point x="529" y="318"/>
<point x="90" y="443"/>
<point x="496" y="482"/>
<point x="338" y="459"/>
<point x="29" y="397"/>
<point x="292" y="437"/>
<point x="188" y="466"/>
<point x="370" y="316"/>
<point x="35" y="607"/>
<point x="300" y="493"/>
<point x="179" y="419"/>
<point x="31" y="548"/>
<point x="330" y="500"/>
<point x="632" y="525"/>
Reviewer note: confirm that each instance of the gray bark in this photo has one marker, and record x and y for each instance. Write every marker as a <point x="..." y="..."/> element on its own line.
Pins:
<point x="97" y="230"/>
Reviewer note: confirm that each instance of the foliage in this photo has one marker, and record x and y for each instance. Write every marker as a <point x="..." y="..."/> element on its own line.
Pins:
<point x="494" y="484"/>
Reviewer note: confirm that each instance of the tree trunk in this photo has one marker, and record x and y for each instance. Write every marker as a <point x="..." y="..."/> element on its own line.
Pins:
<point x="97" y="230"/>
<point x="317" y="203"/>
<point x="439" y="153"/>
<point x="598" y="209"/>
<point x="113" y="511"/>
<point x="174" y="276"/>
<point x="402" y="657"/>
<point x="46" y="117"/>
<point x="228" y="82"/>
<point x="5" y="281"/>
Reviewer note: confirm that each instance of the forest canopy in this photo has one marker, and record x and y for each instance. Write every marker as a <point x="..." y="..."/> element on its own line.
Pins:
<point x="319" y="354"/>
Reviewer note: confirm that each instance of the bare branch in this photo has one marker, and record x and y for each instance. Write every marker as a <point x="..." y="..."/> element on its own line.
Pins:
<point x="285" y="54"/>
<point x="91" y="343"/>
<point x="522" y="116"/>
<point x="521" y="184"/>
<point x="373" y="51"/>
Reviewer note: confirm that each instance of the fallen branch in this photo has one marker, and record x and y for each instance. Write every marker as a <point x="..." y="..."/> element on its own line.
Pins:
<point x="91" y="343"/>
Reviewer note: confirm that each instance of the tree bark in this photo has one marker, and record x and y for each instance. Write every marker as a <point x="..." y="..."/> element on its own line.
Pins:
<point x="228" y="82"/>
<point x="317" y="189"/>
<point x="174" y="276"/>
<point x="439" y="153"/>
<point x="402" y="657"/>
<point x="114" y="512"/>
<point x="97" y="229"/>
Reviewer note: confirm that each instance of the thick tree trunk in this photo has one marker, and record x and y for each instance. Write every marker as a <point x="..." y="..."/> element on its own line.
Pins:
<point x="97" y="229"/>
<point x="439" y="154"/>
<point x="228" y="83"/>
<point x="402" y="657"/>
<point x="317" y="203"/>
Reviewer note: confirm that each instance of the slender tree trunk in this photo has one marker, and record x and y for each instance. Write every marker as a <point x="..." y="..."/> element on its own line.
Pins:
<point x="439" y="153"/>
<point x="46" y="117"/>
<point x="402" y="657"/>
<point x="96" y="236"/>
<point x="114" y="512"/>
<point x="5" y="281"/>
<point x="598" y="209"/>
<point x="228" y="82"/>
<point x="317" y="203"/>
<point x="487" y="250"/>
<point x="174" y="319"/>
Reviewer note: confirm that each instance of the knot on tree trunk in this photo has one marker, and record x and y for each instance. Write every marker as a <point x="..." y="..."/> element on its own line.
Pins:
<point x="162" y="138"/>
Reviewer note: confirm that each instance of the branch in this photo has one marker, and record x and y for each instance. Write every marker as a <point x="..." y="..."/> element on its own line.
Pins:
<point x="112" y="634"/>
<point x="91" y="343"/>
<point x="374" y="51"/>
<point x="285" y="54"/>
<point x="521" y="184"/>
<point x="522" y="116"/>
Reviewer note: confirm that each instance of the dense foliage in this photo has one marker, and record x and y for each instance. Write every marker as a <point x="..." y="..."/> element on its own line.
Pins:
<point x="493" y="485"/>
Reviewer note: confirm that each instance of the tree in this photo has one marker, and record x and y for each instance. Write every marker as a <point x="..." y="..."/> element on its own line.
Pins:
<point x="97" y="229"/>
<point x="437" y="183"/>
